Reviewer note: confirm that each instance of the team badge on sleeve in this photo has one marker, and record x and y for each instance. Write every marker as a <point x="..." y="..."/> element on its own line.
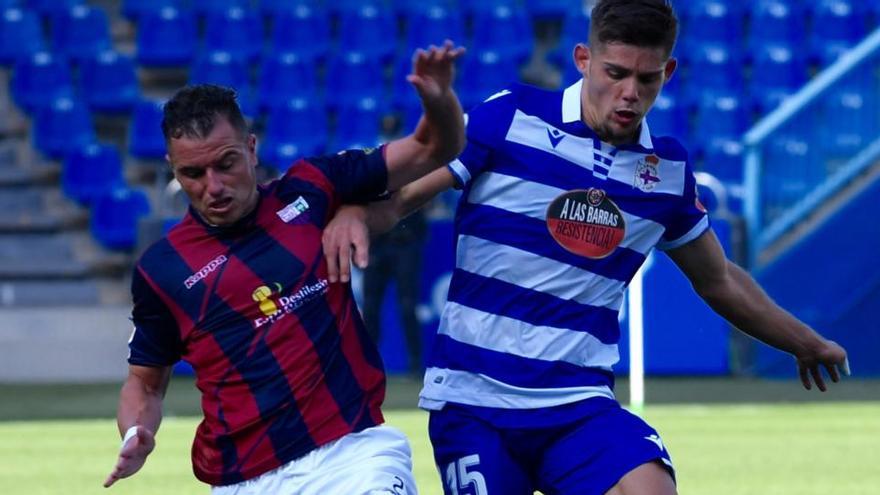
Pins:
<point x="586" y="222"/>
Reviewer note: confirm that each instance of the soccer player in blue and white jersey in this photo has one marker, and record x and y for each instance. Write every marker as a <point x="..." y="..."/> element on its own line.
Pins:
<point x="291" y="382"/>
<point x="564" y="196"/>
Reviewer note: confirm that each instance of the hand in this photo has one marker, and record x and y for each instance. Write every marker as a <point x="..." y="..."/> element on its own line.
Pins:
<point x="434" y="71"/>
<point x="828" y="354"/>
<point x="132" y="455"/>
<point x="347" y="230"/>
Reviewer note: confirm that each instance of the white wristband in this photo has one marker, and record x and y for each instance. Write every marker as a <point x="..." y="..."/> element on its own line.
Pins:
<point x="128" y="434"/>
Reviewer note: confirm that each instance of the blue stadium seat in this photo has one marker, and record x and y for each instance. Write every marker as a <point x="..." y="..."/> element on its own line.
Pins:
<point x="432" y="26"/>
<point x="40" y="78"/>
<point x="115" y="216"/>
<point x="358" y="126"/>
<point x="295" y="129"/>
<point x="81" y="32"/>
<point x="777" y="21"/>
<point x="723" y="117"/>
<point x="348" y="91"/>
<point x="134" y="9"/>
<point x="714" y="69"/>
<point x="166" y="38"/>
<point x="575" y="29"/>
<point x="49" y="8"/>
<point x="338" y="8"/>
<point x="784" y="187"/>
<point x="285" y="76"/>
<point x="483" y="74"/>
<point x="853" y="110"/>
<point x="205" y="8"/>
<point x="304" y="30"/>
<point x="716" y="21"/>
<point x="407" y="9"/>
<point x="371" y="30"/>
<point x="236" y="31"/>
<point x="223" y="69"/>
<point x="271" y="9"/>
<point x="668" y="117"/>
<point x="90" y="171"/>
<point x="723" y="158"/>
<point x="778" y="72"/>
<point x="109" y="82"/>
<point x="504" y="30"/>
<point x="62" y="127"/>
<point x="145" y="139"/>
<point x="552" y="10"/>
<point x="837" y="26"/>
<point x="20" y="35"/>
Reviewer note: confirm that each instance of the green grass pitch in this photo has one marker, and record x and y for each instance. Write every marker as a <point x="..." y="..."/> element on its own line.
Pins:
<point x="787" y="449"/>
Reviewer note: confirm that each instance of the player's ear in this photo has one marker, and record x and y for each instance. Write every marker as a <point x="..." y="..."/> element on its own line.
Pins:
<point x="252" y="148"/>
<point x="581" y="57"/>
<point x="669" y="69"/>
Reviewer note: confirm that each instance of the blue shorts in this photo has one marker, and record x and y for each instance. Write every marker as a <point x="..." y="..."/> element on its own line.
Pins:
<point x="485" y="451"/>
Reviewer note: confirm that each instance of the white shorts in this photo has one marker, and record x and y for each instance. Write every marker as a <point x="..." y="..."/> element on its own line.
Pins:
<point x="374" y="461"/>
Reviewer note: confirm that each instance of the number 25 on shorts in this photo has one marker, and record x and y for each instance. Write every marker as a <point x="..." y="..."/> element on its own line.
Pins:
<point x="461" y="474"/>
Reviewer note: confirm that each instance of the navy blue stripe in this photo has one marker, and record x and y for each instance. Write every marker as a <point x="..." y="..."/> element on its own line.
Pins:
<point x="272" y="262"/>
<point x="515" y="370"/>
<point x="529" y="234"/>
<point x="168" y="269"/>
<point x="537" y="308"/>
<point x="560" y="173"/>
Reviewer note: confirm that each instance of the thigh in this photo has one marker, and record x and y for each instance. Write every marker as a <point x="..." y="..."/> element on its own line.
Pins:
<point x="472" y="457"/>
<point x="597" y="453"/>
<point x="375" y="460"/>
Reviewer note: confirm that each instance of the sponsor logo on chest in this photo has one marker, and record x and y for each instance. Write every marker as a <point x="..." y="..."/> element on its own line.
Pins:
<point x="586" y="222"/>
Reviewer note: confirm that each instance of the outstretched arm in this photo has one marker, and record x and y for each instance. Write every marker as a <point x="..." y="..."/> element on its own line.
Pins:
<point x="735" y="295"/>
<point x="439" y="135"/>
<point x="138" y="418"/>
<point x="347" y="236"/>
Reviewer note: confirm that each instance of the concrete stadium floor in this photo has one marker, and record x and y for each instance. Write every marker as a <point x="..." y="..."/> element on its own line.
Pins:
<point x="98" y="400"/>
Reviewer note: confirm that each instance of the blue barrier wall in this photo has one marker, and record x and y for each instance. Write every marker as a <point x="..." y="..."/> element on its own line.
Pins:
<point x="831" y="280"/>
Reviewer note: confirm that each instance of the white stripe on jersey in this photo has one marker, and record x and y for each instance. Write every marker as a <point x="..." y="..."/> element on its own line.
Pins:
<point x="531" y="131"/>
<point x="488" y="259"/>
<point x="532" y="199"/>
<point x="462" y="387"/>
<point x="519" y="338"/>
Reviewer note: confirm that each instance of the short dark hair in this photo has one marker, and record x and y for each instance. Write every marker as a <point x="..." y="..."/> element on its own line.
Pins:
<point x="193" y="111"/>
<point x="644" y="23"/>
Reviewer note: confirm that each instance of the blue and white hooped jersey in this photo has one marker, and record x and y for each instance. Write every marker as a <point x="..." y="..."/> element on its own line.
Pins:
<point x="552" y="225"/>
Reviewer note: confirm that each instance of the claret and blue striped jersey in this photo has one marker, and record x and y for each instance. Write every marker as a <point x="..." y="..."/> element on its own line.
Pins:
<point x="552" y="225"/>
<point x="281" y="357"/>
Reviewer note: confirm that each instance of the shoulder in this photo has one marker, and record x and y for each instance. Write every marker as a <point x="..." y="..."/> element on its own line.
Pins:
<point x="492" y="118"/>
<point x="669" y="148"/>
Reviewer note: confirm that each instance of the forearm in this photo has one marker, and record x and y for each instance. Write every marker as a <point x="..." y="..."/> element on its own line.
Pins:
<point x="744" y="304"/>
<point x="139" y="404"/>
<point x="441" y="128"/>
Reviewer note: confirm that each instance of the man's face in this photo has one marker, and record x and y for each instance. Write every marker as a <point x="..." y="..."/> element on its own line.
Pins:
<point x="218" y="173"/>
<point x="621" y="83"/>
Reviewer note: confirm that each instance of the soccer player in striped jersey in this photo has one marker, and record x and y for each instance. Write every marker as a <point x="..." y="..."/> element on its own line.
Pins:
<point x="564" y="196"/>
<point x="291" y="382"/>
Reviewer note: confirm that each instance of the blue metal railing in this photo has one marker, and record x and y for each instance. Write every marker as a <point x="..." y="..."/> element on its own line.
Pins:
<point x="812" y="145"/>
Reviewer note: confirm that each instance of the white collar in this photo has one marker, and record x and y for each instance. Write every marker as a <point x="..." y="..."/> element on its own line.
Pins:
<point x="571" y="112"/>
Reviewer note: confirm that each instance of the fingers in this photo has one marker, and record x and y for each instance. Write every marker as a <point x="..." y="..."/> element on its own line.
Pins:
<point x="844" y="366"/>
<point x="832" y="372"/>
<point x="344" y="262"/>
<point x="805" y="379"/>
<point x="817" y="377"/>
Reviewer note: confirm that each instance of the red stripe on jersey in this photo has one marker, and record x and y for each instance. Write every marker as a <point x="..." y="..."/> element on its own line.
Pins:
<point x="303" y="365"/>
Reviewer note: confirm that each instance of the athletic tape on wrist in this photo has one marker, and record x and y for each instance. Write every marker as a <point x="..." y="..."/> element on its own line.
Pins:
<point x="128" y="434"/>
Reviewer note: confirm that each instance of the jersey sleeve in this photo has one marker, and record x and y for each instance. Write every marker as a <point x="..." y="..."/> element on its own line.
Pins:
<point x="155" y="340"/>
<point x="486" y="127"/>
<point x="356" y="176"/>
<point x="689" y="218"/>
